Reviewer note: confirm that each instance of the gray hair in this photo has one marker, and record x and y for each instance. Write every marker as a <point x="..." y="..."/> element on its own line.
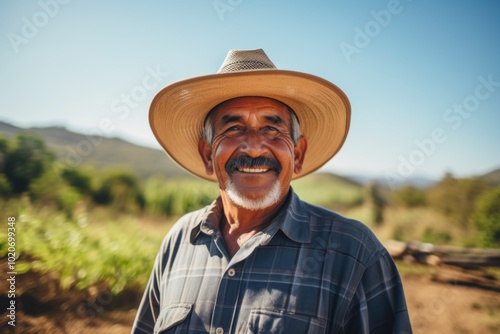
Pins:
<point x="208" y="126"/>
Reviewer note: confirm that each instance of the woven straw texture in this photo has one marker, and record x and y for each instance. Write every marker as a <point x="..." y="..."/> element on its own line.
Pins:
<point x="178" y="111"/>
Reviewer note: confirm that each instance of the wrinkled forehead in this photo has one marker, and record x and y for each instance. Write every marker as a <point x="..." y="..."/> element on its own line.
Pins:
<point x="230" y="110"/>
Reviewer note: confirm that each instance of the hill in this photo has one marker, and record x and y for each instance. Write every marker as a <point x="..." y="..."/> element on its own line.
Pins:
<point x="492" y="177"/>
<point x="75" y="150"/>
<point x="329" y="190"/>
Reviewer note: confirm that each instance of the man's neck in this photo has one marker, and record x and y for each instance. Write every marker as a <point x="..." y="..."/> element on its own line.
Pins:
<point x="239" y="224"/>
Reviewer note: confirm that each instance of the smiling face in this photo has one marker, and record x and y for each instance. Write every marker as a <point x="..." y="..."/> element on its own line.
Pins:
<point x="252" y="152"/>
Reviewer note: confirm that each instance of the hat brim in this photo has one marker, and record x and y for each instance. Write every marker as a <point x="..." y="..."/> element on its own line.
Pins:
<point x="178" y="111"/>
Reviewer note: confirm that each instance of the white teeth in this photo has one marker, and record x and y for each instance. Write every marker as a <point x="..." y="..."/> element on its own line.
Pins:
<point x="253" y="170"/>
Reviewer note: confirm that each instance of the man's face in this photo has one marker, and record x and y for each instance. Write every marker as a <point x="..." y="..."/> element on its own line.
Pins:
<point x="252" y="150"/>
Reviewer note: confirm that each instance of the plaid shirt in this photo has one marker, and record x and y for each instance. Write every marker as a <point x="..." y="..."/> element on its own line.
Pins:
<point x="310" y="271"/>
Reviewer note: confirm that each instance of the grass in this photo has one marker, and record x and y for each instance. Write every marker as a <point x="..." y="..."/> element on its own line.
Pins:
<point x="103" y="245"/>
<point x="415" y="269"/>
<point x="422" y="224"/>
<point x="84" y="250"/>
<point x="329" y="191"/>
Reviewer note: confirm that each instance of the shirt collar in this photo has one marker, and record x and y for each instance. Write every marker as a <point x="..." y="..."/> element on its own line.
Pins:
<point x="209" y="220"/>
<point x="293" y="220"/>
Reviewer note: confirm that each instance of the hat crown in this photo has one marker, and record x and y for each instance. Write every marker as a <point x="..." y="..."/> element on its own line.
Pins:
<point x="246" y="60"/>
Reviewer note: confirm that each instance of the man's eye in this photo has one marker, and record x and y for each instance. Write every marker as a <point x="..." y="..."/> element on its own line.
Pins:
<point x="270" y="128"/>
<point x="234" y="129"/>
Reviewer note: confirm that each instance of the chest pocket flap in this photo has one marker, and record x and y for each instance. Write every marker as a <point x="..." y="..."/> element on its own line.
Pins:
<point x="171" y="317"/>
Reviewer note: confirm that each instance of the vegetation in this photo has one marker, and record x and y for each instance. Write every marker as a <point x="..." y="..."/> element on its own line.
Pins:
<point x="487" y="218"/>
<point x="93" y="225"/>
<point x="330" y="191"/>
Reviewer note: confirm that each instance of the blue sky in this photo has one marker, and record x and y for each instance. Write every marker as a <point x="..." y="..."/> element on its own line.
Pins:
<point x="423" y="77"/>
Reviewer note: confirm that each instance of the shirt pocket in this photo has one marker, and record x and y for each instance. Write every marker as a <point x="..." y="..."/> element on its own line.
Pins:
<point x="171" y="317"/>
<point x="281" y="321"/>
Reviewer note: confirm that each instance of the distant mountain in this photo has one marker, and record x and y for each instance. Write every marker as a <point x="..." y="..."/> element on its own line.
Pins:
<point x="492" y="177"/>
<point x="416" y="181"/>
<point x="74" y="150"/>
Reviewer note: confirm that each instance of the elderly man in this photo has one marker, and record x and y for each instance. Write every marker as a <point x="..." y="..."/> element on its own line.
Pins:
<point x="258" y="259"/>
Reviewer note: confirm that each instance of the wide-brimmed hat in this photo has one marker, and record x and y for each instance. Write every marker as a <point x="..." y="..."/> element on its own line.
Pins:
<point x="178" y="111"/>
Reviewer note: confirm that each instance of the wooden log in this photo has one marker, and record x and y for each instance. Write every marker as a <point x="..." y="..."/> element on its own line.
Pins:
<point x="450" y="255"/>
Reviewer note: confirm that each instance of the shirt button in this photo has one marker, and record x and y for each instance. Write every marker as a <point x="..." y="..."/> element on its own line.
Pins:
<point x="219" y="330"/>
<point x="231" y="272"/>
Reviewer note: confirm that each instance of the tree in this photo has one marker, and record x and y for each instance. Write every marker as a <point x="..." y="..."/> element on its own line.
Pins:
<point x="456" y="197"/>
<point x="487" y="218"/>
<point x="49" y="190"/>
<point x="5" y="188"/>
<point x="121" y="190"/>
<point x="26" y="161"/>
<point x="409" y="196"/>
<point x="376" y="202"/>
<point x="77" y="179"/>
<point x="4" y="146"/>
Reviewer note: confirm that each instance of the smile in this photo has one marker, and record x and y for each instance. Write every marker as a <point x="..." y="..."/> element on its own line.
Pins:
<point x="252" y="170"/>
<point x="246" y="164"/>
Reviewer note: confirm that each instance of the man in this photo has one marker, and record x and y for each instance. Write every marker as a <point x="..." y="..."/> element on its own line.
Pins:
<point x="258" y="259"/>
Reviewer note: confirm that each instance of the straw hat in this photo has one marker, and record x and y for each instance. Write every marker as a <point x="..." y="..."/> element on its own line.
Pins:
<point x="178" y="111"/>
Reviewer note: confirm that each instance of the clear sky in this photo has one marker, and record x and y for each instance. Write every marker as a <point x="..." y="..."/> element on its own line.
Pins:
<point x="423" y="76"/>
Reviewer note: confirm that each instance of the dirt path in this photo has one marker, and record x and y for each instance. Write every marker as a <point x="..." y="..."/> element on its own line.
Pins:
<point x="448" y="302"/>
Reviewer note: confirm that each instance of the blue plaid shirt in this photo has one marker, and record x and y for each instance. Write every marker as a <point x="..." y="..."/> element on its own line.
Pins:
<point x="310" y="271"/>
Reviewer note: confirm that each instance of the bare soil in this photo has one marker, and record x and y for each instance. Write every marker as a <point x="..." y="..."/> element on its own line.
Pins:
<point x="448" y="301"/>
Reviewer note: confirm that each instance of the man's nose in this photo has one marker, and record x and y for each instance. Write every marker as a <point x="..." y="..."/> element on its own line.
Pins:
<point x="253" y="144"/>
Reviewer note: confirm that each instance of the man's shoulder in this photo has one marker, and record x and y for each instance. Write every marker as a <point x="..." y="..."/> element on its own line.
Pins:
<point x="343" y="234"/>
<point x="181" y="230"/>
<point x="193" y="218"/>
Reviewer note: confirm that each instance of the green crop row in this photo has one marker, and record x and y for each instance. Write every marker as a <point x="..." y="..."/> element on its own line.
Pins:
<point x="119" y="254"/>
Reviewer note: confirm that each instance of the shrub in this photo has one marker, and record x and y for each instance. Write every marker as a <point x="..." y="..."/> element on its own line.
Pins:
<point x="487" y="218"/>
<point x="456" y="197"/>
<point x="77" y="179"/>
<point x="25" y="161"/>
<point x="120" y="189"/>
<point x="118" y="254"/>
<point x="436" y="237"/>
<point x="409" y="196"/>
<point x="174" y="198"/>
<point x="5" y="188"/>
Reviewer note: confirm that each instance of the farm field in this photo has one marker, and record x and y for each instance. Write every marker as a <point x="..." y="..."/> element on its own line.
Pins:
<point x="85" y="239"/>
<point x="435" y="297"/>
<point x="51" y="304"/>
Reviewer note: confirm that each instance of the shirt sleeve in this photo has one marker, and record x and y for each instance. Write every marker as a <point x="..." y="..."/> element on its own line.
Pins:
<point x="379" y="305"/>
<point x="149" y="308"/>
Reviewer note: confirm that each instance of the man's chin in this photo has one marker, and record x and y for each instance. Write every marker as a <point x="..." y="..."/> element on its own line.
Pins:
<point x="271" y="197"/>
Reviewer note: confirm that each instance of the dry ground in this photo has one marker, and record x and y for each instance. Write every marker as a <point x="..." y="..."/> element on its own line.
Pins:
<point x="444" y="301"/>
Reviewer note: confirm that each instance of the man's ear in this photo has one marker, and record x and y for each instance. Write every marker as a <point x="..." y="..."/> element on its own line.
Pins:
<point x="205" y="150"/>
<point x="299" y="153"/>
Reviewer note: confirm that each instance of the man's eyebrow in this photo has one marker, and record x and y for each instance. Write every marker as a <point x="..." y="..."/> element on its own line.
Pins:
<point x="226" y="119"/>
<point x="275" y="119"/>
